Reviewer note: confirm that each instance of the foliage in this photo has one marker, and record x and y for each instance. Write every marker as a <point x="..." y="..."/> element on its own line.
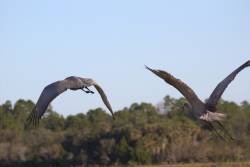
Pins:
<point x="140" y="134"/>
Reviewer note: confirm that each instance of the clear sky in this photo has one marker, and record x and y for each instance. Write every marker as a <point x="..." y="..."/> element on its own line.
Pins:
<point x="199" y="42"/>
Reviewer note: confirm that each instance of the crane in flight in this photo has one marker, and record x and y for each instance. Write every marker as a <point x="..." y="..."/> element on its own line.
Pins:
<point x="53" y="90"/>
<point x="206" y="112"/>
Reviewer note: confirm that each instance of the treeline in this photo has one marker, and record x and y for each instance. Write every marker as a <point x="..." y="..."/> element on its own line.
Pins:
<point x="140" y="134"/>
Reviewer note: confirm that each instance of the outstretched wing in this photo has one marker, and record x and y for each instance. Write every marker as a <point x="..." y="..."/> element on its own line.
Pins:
<point x="220" y="88"/>
<point x="185" y="90"/>
<point x="104" y="98"/>
<point x="48" y="94"/>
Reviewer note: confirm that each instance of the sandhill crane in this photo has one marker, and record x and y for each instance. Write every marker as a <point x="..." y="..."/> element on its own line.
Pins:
<point x="51" y="91"/>
<point x="202" y="111"/>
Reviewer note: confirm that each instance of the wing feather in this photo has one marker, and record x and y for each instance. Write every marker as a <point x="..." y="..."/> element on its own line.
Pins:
<point x="185" y="90"/>
<point x="104" y="98"/>
<point x="48" y="94"/>
<point x="221" y="87"/>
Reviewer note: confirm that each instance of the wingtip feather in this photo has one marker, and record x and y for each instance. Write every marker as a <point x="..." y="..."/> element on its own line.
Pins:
<point x="147" y="67"/>
<point x="248" y="63"/>
<point x="150" y="69"/>
<point x="104" y="99"/>
<point x="32" y="120"/>
<point x="113" y="116"/>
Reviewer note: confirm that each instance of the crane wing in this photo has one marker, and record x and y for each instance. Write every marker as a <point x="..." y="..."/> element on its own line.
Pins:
<point x="48" y="94"/>
<point x="185" y="90"/>
<point x="220" y="88"/>
<point x="104" y="98"/>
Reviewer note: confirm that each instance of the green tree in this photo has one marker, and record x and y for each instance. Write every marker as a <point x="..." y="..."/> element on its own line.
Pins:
<point x="79" y="121"/>
<point x="123" y="151"/>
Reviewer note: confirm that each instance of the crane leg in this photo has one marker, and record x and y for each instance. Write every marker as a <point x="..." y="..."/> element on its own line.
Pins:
<point x="210" y="125"/>
<point x="87" y="91"/>
<point x="90" y="90"/>
<point x="225" y="130"/>
<point x="226" y="139"/>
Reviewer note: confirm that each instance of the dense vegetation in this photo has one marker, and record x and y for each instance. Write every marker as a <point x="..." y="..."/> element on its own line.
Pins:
<point x="140" y="134"/>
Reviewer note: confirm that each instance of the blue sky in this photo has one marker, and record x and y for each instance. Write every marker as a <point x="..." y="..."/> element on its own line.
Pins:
<point x="199" y="42"/>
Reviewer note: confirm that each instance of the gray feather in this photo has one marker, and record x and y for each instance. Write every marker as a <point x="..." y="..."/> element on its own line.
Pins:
<point x="198" y="107"/>
<point x="104" y="98"/>
<point x="51" y="91"/>
<point x="221" y="87"/>
<point x="48" y="94"/>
